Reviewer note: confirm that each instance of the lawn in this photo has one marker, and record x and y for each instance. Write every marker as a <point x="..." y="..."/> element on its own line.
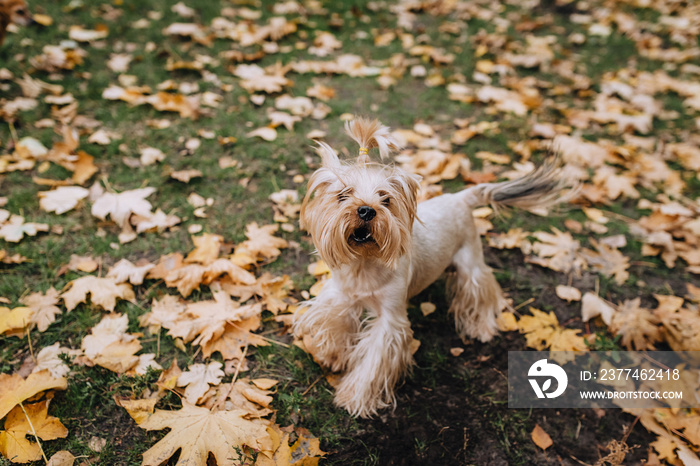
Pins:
<point x="180" y="137"/>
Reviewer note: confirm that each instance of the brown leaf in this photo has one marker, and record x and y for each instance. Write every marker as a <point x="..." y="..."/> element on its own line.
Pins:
<point x="637" y="326"/>
<point x="541" y="438"/>
<point x="43" y="306"/>
<point x="104" y="292"/>
<point x="14" y="389"/>
<point x="186" y="175"/>
<point x="568" y="293"/>
<point x="198" y="432"/>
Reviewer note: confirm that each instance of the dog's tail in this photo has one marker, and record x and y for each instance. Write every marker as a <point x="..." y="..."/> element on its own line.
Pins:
<point x="368" y="134"/>
<point x="543" y="187"/>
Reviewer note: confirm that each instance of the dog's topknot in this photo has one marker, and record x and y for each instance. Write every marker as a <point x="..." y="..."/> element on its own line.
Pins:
<point x="368" y="134"/>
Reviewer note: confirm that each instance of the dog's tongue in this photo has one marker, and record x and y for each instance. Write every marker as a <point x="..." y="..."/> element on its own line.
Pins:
<point x="361" y="235"/>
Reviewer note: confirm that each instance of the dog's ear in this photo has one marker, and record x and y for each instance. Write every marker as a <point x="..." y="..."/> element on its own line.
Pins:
<point x="406" y="185"/>
<point x="319" y="182"/>
<point x="328" y="156"/>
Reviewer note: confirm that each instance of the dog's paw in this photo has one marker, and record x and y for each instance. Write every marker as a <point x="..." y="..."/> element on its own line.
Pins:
<point x="362" y="398"/>
<point x="326" y="354"/>
<point x="334" y="361"/>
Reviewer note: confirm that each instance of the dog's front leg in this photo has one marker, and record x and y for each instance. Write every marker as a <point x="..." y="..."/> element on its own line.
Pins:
<point x="381" y="356"/>
<point x="330" y="321"/>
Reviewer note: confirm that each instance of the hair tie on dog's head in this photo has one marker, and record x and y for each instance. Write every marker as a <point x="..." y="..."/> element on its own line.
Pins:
<point x="363" y="151"/>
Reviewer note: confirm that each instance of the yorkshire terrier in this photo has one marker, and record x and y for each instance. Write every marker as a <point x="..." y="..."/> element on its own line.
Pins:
<point x="383" y="248"/>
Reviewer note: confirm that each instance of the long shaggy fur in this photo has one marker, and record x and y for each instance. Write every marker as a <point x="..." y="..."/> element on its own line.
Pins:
<point x="330" y="222"/>
<point x="371" y="133"/>
<point x="543" y="187"/>
<point x="358" y="323"/>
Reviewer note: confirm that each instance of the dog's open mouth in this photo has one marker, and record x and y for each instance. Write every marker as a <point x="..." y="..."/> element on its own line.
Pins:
<point x="361" y="235"/>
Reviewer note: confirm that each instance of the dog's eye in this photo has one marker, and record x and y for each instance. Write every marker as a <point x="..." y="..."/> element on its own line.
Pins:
<point x="342" y="197"/>
<point x="386" y="201"/>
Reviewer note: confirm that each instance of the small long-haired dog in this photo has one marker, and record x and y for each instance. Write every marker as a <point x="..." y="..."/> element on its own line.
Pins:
<point x="383" y="248"/>
<point x="13" y="11"/>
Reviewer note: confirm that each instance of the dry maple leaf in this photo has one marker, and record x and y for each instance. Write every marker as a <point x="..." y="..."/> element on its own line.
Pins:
<point x="62" y="199"/>
<point x="164" y="313"/>
<point x="195" y="31"/>
<point x="150" y="155"/>
<point x="15" y="229"/>
<point x="49" y="359"/>
<point x="542" y="331"/>
<point x="157" y="221"/>
<point x="186" y="106"/>
<point x="266" y="133"/>
<point x="261" y="243"/>
<point x="592" y="306"/>
<point x="104" y="292"/>
<point x="255" y="78"/>
<point x="616" y="184"/>
<point x="568" y="293"/>
<point x="637" y="326"/>
<point x="198" y="432"/>
<point x="299" y="106"/>
<point x="558" y="251"/>
<point x="197" y="379"/>
<point x="206" y="319"/>
<point x="274" y="290"/>
<point x="119" y="62"/>
<point x="608" y="261"/>
<point x="186" y="278"/>
<point x="124" y="271"/>
<point x="120" y="206"/>
<point x="35" y="423"/>
<point x="145" y="362"/>
<point x="190" y="276"/>
<point x="61" y="458"/>
<point x="685" y="421"/>
<point x="186" y="175"/>
<point x="681" y="326"/>
<point x="85" y="264"/>
<point x="305" y="451"/>
<point x="513" y="238"/>
<point x="286" y="204"/>
<point x="103" y="137"/>
<point x="234" y="338"/>
<point x="206" y="249"/>
<point x="226" y="266"/>
<point x="666" y="447"/>
<point x="283" y="119"/>
<point x="139" y="409"/>
<point x="506" y="100"/>
<point x="43" y="306"/>
<point x="13" y="322"/>
<point x="14" y="389"/>
<point x="109" y="346"/>
<point x="251" y="396"/>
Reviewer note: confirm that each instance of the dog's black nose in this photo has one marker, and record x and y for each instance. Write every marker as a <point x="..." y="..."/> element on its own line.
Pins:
<point x="366" y="213"/>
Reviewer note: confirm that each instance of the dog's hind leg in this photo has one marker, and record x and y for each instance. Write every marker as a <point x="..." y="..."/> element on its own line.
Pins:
<point x="477" y="298"/>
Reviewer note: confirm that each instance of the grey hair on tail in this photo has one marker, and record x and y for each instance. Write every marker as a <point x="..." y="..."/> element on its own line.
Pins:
<point x="543" y="187"/>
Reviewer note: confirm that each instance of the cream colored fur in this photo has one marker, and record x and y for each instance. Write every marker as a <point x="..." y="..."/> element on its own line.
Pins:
<point x="358" y="324"/>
